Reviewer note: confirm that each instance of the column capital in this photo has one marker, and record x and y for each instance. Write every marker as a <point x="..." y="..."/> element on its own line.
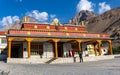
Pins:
<point x="109" y="41"/>
<point x="10" y="38"/>
<point x="99" y="41"/>
<point x="79" y="40"/>
<point x="55" y="40"/>
<point x="28" y="39"/>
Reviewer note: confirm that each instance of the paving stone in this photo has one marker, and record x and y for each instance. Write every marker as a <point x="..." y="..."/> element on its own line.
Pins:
<point x="104" y="67"/>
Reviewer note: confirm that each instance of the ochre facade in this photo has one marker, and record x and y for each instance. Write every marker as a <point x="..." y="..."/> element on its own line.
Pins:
<point x="46" y="40"/>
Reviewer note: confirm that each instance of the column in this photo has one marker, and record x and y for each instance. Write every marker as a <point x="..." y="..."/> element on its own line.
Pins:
<point x="56" y="47"/>
<point x="95" y="49"/>
<point x="56" y="50"/>
<point x="79" y="46"/>
<point x="29" y="45"/>
<point x="28" y="48"/>
<point x="99" y="47"/>
<point x="9" y="49"/>
<point x="110" y="47"/>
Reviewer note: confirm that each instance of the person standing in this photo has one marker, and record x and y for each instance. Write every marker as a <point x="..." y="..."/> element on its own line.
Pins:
<point x="69" y="53"/>
<point x="73" y="52"/>
<point x="80" y="56"/>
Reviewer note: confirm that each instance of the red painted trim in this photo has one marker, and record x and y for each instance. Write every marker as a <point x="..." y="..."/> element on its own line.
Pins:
<point x="58" y="34"/>
<point x="52" y="27"/>
<point x="3" y="33"/>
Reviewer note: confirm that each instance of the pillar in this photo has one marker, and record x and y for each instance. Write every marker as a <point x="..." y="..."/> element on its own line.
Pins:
<point x="56" y="47"/>
<point x="95" y="50"/>
<point x="110" y="47"/>
<point x="29" y="48"/>
<point x="29" y="45"/>
<point x="56" y="50"/>
<point x="9" y="49"/>
<point x="79" y="46"/>
<point x="99" y="46"/>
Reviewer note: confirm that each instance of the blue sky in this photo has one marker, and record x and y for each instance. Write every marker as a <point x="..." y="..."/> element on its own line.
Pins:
<point x="46" y="10"/>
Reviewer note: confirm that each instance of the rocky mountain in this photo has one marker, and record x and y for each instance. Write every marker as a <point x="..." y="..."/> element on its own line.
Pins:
<point x="105" y="23"/>
<point x="82" y="15"/>
<point x="108" y="22"/>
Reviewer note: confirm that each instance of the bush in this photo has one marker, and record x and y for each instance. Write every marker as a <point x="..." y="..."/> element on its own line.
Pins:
<point x="116" y="50"/>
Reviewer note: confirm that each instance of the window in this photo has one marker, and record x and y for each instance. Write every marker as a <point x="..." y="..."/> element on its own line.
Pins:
<point x="4" y="40"/>
<point x="36" y="48"/>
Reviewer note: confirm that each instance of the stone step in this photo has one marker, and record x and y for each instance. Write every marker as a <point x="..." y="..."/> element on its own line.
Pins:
<point x="58" y="60"/>
<point x="85" y="59"/>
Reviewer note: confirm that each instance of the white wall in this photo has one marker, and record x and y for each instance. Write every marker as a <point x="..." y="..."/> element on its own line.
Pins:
<point x="66" y="47"/>
<point x="47" y="50"/>
<point x="25" y="53"/>
<point x="90" y="49"/>
<point x="2" y="45"/>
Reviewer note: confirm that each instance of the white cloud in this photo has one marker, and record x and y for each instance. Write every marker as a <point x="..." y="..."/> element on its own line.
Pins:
<point x="9" y="20"/>
<point x="40" y="16"/>
<point x="19" y="0"/>
<point x="103" y="7"/>
<point x="52" y="16"/>
<point x="85" y="5"/>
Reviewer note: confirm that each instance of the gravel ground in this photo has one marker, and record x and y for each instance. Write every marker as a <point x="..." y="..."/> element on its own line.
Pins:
<point x="106" y="67"/>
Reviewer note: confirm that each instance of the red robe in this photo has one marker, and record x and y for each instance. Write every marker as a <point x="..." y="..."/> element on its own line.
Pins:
<point x="73" y="52"/>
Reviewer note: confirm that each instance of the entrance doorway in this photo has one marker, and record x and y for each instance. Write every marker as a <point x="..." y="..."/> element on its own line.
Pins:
<point x="16" y="50"/>
<point x="60" y="50"/>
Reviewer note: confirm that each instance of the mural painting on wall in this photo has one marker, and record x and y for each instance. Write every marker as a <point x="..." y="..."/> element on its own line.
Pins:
<point x="90" y="49"/>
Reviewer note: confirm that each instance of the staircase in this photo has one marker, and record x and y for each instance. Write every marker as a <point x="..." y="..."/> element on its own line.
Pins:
<point x="58" y="60"/>
<point x="85" y="59"/>
<point x="51" y="60"/>
<point x="64" y="60"/>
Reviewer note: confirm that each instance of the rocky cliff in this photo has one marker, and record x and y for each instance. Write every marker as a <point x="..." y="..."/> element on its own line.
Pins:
<point x="82" y="15"/>
<point x="108" y="22"/>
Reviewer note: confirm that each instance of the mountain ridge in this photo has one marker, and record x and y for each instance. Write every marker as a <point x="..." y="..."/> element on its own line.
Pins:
<point x="108" y="22"/>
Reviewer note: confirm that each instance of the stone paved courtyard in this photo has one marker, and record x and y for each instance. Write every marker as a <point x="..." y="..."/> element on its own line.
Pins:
<point x="105" y="67"/>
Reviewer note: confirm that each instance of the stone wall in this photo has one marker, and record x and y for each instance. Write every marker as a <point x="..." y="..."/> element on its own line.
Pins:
<point x="66" y="48"/>
<point x="25" y="50"/>
<point x="47" y="50"/>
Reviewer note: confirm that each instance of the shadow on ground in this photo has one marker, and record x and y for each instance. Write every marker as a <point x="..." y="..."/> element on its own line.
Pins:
<point x="49" y="61"/>
<point x="116" y="56"/>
